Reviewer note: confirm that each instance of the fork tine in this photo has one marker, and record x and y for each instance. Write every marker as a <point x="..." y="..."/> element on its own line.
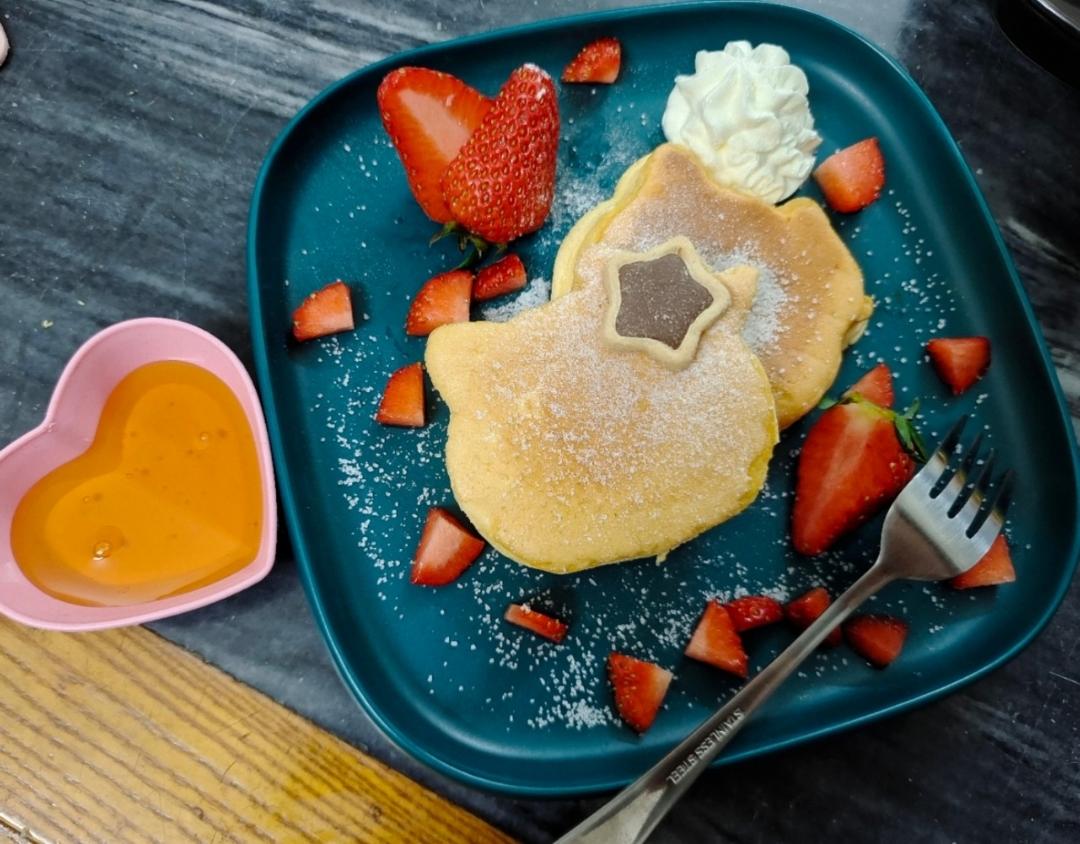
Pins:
<point x="988" y="531"/>
<point x="948" y="444"/>
<point x="979" y="486"/>
<point x="996" y="504"/>
<point x="986" y="475"/>
<point x="972" y="453"/>
<point x="944" y="453"/>
<point x="956" y="492"/>
<point x="968" y="485"/>
<point x="1003" y="495"/>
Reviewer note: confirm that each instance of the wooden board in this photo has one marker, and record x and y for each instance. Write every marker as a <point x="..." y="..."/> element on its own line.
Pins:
<point x="122" y="737"/>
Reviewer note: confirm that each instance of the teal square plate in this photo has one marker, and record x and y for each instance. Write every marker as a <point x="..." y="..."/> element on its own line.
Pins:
<point x="438" y="669"/>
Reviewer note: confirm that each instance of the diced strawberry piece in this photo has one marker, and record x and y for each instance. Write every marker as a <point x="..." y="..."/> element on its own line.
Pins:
<point x="403" y="399"/>
<point x="500" y="186"/>
<point x="446" y="549"/>
<point x="504" y="276"/>
<point x="753" y="611"/>
<point x="442" y="300"/>
<point x="539" y="623"/>
<point x="994" y="568"/>
<point x="640" y="687"/>
<point x="326" y="311"/>
<point x="853" y="177"/>
<point x="801" y="612"/>
<point x="876" y="386"/>
<point x="429" y="115"/>
<point x="598" y="62"/>
<point x="851" y="465"/>
<point x="716" y="642"/>
<point x="959" y="361"/>
<point x="878" y="638"/>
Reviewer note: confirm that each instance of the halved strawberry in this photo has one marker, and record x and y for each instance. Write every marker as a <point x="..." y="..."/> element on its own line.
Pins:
<point x="326" y="311"/>
<point x="429" y="115"/>
<point x="446" y="549"/>
<point x="959" y="361"/>
<point x="443" y="299"/>
<point x="539" y="623"/>
<point x="752" y="611"/>
<point x="502" y="182"/>
<point x="504" y="276"/>
<point x="995" y="567"/>
<point x="853" y="177"/>
<point x="639" y="687"/>
<point x="716" y="642"/>
<point x="878" y="638"/>
<point x="403" y="399"/>
<point x="801" y="612"/>
<point x="851" y="465"/>
<point x="598" y="62"/>
<point x="875" y="385"/>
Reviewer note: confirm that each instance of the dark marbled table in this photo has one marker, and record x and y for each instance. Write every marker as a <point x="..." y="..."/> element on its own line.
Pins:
<point x="130" y="136"/>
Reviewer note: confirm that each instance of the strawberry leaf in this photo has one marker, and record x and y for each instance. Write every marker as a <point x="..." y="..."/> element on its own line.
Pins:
<point x="827" y="402"/>
<point x="909" y="434"/>
<point x="479" y="244"/>
<point x="470" y="260"/>
<point x="921" y="451"/>
<point x="447" y="230"/>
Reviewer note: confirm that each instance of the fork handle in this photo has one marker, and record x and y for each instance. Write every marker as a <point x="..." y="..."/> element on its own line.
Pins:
<point x="636" y="810"/>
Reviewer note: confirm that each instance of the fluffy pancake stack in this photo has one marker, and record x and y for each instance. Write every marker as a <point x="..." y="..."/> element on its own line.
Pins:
<point x="810" y="303"/>
<point x="567" y="451"/>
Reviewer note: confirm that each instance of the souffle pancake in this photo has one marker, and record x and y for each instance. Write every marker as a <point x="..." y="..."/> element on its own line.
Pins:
<point x="810" y="303"/>
<point x="616" y="422"/>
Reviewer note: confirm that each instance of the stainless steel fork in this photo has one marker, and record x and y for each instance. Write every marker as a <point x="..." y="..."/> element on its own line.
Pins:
<point x="939" y="526"/>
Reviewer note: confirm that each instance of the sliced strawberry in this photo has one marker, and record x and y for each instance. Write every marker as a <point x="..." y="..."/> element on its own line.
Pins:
<point x="878" y="638"/>
<point x="716" y="642"/>
<point x="959" y="361"/>
<point x="801" y="612"/>
<point x="403" y="399"/>
<point x="442" y="300"/>
<point x="853" y="177"/>
<point x="446" y="549"/>
<point x="502" y="182"/>
<point x="995" y="567"/>
<point x="598" y="62"/>
<point x="875" y="385"/>
<point x="851" y="465"/>
<point x="753" y="611"/>
<point x="429" y="115"/>
<point x="539" y="623"/>
<point x="504" y="276"/>
<point x="640" y="687"/>
<point x="326" y="311"/>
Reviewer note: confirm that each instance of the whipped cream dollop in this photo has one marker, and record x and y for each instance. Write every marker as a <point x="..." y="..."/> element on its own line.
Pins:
<point x="744" y="112"/>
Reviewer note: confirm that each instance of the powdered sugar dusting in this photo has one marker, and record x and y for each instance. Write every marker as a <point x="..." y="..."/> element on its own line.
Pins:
<point x="371" y="486"/>
<point x="583" y="182"/>
<point x="564" y="478"/>
<point x="387" y="478"/>
<point x="536" y="293"/>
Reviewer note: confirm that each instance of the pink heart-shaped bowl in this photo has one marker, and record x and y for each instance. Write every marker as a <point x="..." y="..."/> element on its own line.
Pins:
<point x="68" y="430"/>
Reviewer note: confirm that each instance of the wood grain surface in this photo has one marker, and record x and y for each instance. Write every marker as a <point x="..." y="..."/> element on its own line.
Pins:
<point x="123" y="737"/>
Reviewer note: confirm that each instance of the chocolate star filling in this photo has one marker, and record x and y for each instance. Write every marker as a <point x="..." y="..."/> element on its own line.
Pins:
<point x="659" y="299"/>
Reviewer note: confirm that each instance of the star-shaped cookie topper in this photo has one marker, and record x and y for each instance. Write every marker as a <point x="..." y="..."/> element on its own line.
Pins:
<point x="660" y="301"/>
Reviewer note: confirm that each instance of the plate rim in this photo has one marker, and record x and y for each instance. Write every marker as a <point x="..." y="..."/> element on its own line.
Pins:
<point x="291" y="507"/>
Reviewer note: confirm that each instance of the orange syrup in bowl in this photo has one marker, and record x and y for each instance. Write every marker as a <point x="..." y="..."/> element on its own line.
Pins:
<point x="167" y="498"/>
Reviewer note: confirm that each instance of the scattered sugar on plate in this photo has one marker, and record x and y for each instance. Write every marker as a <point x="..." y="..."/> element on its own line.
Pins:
<point x="537" y="292"/>
<point x="552" y="687"/>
